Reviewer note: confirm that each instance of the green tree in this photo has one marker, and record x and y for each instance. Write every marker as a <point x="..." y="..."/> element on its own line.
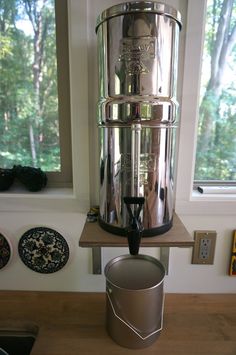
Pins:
<point x="28" y="87"/>
<point x="216" y="154"/>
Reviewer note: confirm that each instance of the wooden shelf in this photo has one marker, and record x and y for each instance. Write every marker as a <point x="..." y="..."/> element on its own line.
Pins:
<point x="94" y="236"/>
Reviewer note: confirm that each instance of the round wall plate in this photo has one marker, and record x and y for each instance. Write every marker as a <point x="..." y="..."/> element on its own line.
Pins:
<point x="5" y="251"/>
<point x="43" y="250"/>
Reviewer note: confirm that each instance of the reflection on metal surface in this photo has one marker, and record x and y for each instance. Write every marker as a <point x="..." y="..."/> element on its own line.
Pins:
<point x="139" y="6"/>
<point x="135" y="158"/>
<point x="138" y="64"/>
<point x="156" y="175"/>
<point x="137" y="112"/>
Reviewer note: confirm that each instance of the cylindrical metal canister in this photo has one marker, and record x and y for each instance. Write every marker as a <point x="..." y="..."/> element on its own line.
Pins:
<point x="137" y="112"/>
<point x="135" y="301"/>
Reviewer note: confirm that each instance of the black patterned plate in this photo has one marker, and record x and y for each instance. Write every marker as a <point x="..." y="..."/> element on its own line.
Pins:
<point x="5" y="251"/>
<point x="43" y="250"/>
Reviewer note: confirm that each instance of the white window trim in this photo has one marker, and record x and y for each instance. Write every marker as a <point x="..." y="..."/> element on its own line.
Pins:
<point x="189" y="201"/>
<point x="76" y="198"/>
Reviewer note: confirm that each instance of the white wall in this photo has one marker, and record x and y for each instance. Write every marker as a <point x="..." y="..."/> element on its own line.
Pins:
<point x="61" y="213"/>
<point x="77" y="276"/>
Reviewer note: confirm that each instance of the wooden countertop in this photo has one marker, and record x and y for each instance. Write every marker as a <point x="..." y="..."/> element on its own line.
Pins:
<point x="74" y="323"/>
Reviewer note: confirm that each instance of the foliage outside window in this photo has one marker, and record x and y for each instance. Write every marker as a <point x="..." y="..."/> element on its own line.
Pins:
<point x="29" y="113"/>
<point x="216" y="144"/>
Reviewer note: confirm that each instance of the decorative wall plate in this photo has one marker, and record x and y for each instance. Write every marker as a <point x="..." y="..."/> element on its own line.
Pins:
<point x="5" y="251"/>
<point x="43" y="250"/>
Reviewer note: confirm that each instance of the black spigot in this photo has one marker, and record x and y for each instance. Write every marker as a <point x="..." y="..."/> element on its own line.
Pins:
<point x="135" y="229"/>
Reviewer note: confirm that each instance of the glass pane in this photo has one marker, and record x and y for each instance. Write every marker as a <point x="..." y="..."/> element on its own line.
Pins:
<point x="29" y="126"/>
<point x="216" y="145"/>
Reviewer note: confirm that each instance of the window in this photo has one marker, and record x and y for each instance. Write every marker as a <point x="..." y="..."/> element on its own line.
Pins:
<point x="34" y="87"/>
<point x="216" y="143"/>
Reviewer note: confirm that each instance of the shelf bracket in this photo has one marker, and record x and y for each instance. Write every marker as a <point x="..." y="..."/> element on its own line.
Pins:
<point x="97" y="260"/>
<point x="164" y="258"/>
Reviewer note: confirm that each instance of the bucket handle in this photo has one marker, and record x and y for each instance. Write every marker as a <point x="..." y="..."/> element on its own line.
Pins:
<point x="130" y="326"/>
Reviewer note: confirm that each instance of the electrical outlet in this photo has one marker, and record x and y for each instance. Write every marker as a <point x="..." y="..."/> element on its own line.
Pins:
<point x="204" y="247"/>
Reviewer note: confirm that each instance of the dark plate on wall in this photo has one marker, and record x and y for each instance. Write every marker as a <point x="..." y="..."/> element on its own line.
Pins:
<point x="43" y="250"/>
<point x="5" y="251"/>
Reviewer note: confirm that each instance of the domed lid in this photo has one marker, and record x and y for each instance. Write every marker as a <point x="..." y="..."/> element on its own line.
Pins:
<point x="137" y="7"/>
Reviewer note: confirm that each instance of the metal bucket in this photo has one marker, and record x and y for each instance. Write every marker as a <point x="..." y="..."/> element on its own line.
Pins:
<point x="137" y="113"/>
<point x="134" y="299"/>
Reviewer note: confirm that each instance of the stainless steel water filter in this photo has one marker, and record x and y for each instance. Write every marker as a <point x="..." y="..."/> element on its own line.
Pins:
<point x="137" y="115"/>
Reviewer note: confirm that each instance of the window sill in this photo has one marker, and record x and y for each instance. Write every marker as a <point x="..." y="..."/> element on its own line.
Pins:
<point x="47" y="200"/>
<point x="207" y="204"/>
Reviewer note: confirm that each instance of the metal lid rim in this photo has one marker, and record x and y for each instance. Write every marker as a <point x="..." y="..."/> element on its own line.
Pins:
<point x="139" y="256"/>
<point x="121" y="9"/>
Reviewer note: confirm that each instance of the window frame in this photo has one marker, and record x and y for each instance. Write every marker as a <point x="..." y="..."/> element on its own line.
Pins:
<point x="197" y="182"/>
<point x="64" y="176"/>
<point x="76" y="198"/>
<point x="189" y="201"/>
